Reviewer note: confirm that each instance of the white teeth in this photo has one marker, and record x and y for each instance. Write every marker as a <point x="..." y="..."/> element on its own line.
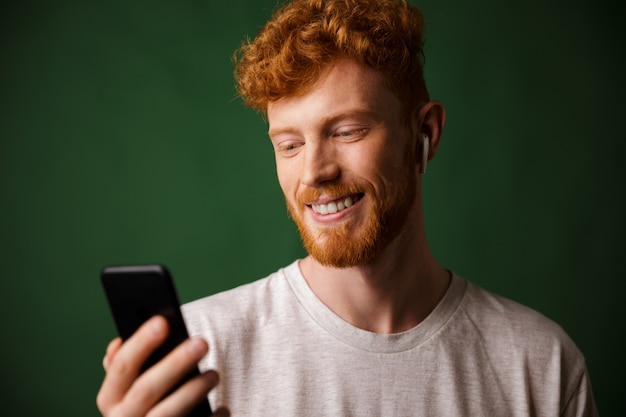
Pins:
<point x="332" y="207"/>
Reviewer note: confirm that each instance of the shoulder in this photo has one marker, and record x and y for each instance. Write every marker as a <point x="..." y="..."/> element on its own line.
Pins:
<point x="530" y="339"/>
<point x="526" y="346"/>
<point x="240" y="306"/>
<point x="500" y="314"/>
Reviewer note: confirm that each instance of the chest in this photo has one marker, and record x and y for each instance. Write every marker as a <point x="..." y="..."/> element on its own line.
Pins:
<point x="302" y="373"/>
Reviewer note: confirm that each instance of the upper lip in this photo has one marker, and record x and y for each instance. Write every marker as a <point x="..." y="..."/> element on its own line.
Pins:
<point x="326" y="200"/>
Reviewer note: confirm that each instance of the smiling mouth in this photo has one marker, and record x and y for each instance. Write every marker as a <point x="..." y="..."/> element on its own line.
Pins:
<point x="336" y="205"/>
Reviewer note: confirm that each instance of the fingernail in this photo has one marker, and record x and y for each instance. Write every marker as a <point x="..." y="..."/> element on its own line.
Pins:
<point x="157" y="325"/>
<point x="197" y="347"/>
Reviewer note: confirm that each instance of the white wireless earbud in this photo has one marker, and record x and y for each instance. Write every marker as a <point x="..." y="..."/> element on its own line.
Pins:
<point x="425" y="146"/>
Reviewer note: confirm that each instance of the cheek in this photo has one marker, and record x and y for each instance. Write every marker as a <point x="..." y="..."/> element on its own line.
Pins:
<point x="379" y="162"/>
<point x="286" y="178"/>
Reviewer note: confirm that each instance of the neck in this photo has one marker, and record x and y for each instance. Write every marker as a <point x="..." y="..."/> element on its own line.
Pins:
<point x="394" y="293"/>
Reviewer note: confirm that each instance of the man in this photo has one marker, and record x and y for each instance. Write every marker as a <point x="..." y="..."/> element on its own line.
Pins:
<point x="369" y="323"/>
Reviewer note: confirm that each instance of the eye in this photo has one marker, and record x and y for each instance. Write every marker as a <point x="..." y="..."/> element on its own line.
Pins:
<point x="288" y="148"/>
<point x="350" y="132"/>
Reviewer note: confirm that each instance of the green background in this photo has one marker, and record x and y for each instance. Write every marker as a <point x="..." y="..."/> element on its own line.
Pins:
<point x="122" y="142"/>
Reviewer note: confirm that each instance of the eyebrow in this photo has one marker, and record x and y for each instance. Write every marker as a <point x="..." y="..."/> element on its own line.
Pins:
<point x="328" y="121"/>
<point x="280" y="131"/>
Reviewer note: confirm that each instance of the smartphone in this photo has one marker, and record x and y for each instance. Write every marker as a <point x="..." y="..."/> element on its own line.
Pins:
<point x="136" y="293"/>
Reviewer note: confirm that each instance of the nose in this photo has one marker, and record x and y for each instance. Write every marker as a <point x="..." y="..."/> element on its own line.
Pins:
<point x="320" y="164"/>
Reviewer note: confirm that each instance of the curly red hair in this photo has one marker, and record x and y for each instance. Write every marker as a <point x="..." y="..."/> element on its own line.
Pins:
<point x="304" y="36"/>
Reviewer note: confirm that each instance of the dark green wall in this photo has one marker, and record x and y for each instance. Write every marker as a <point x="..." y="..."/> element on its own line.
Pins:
<point x="122" y="141"/>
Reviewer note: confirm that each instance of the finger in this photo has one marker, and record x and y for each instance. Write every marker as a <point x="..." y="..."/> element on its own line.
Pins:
<point x="181" y="402"/>
<point x="112" y="349"/>
<point x="157" y="381"/>
<point x="127" y="361"/>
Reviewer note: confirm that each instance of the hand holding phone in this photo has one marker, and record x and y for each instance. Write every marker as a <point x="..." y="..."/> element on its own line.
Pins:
<point x="135" y="294"/>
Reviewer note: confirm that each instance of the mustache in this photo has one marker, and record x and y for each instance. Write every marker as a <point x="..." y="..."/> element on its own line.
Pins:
<point x="308" y="194"/>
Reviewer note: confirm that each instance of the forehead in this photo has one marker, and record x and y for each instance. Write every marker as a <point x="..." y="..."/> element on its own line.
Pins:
<point x="346" y="87"/>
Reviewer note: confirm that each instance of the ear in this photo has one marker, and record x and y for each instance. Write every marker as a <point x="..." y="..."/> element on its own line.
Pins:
<point x="430" y="121"/>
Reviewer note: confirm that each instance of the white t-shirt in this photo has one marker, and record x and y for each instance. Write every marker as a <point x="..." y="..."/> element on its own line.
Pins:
<point x="281" y="352"/>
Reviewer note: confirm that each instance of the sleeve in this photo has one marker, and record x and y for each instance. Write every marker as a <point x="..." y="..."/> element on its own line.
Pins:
<point x="581" y="402"/>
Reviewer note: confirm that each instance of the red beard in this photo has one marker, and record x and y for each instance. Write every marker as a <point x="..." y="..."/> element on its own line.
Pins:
<point x="347" y="244"/>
